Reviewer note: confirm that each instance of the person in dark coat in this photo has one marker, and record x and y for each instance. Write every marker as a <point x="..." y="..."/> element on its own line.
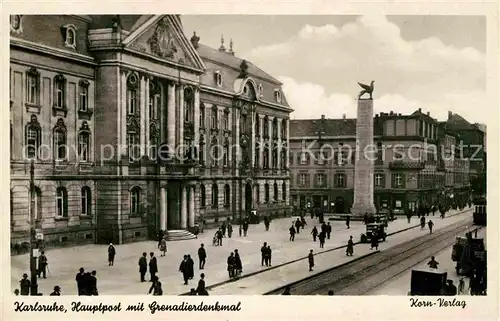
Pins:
<point x="263" y="254"/>
<point x="229" y="230"/>
<point x="348" y="221"/>
<point x="292" y="233"/>
<point x="303" y="222"/>
<point x="230" y="265"/>
<point x="111" y="254"/>
<point x="310" y="259"/>
<point x="408" y="216"/>
<point x="269" y="254"/>
<point x="163" y="246"/>
<point x="143" y="266"/>
<point x="322" y="237"/>
<point x="190" y="265"/>
<point x="433" y="264"/>
<point x="25" y="285"/>
<point x="184" y="269"/>
<point x="219" y="237"/>
<point x="92" y="286"/>
<point x="298" y="223"/>
<point x="422" y="222"/>
<point x="156" y="287"/>
<point x="202" y="255"/>
<point x="238" y="265"/>
<point x="328" y="230"/>
<point x="431" y="225"/>
<point x="245" y="227"/>
<point x="266" y="223"/>
<point x="57" y="291"/>
<point x="161" y="234"/>
<point x="350" y="247"/>
<point x="87" y="280"/>
<point x="365" y="218"/>
<point x="153" y="266"/>
<point x="314" y="233"/>
<point x="374" y="241"/>
<point x="42" y="265"/>
<point x="201" y="289"/>
<point x="80" y="281"/>
<point x="223" y="229"/>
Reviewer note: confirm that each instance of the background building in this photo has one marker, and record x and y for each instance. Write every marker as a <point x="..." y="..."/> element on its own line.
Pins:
<point x="409" y="167"/>
<point x="95" y="99"/>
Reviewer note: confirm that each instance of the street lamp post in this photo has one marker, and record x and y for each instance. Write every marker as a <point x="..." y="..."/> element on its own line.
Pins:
<point x="33" y="241"/>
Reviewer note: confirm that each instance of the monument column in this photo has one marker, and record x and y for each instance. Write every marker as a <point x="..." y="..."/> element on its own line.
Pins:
<point x="163" y="208"/>
<point x="184" y="214"/>
<point x="270" y="141"/>
<point x="364" y="164"/>
<point x="191" y="206"/>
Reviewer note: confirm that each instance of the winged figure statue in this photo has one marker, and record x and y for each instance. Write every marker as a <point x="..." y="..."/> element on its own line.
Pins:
<point x="366" y="89"/>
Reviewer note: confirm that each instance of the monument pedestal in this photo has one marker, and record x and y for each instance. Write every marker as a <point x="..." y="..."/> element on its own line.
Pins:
<point x="364" y="164"/>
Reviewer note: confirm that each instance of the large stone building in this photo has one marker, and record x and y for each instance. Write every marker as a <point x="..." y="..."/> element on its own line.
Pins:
<point x="409" y="167"/>
<point x="133" y="128"/>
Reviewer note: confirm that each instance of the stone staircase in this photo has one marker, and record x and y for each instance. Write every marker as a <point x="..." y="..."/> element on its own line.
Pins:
<point x="179" y="235"/>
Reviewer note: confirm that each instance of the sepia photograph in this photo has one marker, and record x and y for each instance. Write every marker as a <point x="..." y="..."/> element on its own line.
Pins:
<point x="207" y="155"/>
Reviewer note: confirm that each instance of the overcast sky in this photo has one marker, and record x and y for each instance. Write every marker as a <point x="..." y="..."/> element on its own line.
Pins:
<point x="436" y="63"/>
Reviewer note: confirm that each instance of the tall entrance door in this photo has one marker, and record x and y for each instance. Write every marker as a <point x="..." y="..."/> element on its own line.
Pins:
<point x="339" y="205"/>
<point x="248" y="198"/>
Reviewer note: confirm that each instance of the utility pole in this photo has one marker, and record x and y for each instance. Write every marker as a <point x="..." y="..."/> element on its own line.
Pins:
<point x="33" y="241"/>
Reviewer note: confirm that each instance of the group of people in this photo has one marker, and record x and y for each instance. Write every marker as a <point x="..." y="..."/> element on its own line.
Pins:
<point x="86" y="282"/>
<point x="266" y="254"/>
<point x="234" y="265"/>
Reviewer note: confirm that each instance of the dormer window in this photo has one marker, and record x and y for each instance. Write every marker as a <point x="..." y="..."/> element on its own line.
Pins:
<point x="15" y="23"/>
<point x="261" y="91"/>
<point x="277" y="95"/>
<point x="218" y="78"/>
<point x="69" y="34"/>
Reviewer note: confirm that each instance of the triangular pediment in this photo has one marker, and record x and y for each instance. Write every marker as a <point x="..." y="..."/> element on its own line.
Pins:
<point x="162" y="37"/>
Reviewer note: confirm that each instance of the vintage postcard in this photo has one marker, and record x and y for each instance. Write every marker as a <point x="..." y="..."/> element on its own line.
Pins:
<point x="291" y="150"/>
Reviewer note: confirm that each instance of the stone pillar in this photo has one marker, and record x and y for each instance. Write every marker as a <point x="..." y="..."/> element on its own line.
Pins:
<point x="192" y="194"/>
<point x="237" y="138"/>
<point x="253" y="142"/>
<point x="171" y="116"/>
<point x="163" y="208"/>
<point x="146" y="115"/>
<point x="142" y="116"/>
<point x="184" y="213"/>
<point x="255" y="193"/>
<point x="261" y="134"/>
<point x="279" y="144"/>
<point x="180" y="141"/>
<point x="270" y="139"/>
<point x="287" y="196"/>
<point x="287" y="138"/>
<point x="363" y="169"/>
<point x="124" y="112"/>
<point x="196" y="141"/>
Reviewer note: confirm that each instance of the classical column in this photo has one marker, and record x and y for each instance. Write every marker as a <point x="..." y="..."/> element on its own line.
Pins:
<point x="191" y="206"/>
<point x="196" y="141"/>
<point x="287" y="138"/>
<point x="270" y="139"/>
<point x="142" y="111"/>
<point x="146" y="115"/>
<point x="253" y="142"/>
<point x="184" y="214"/>
<point x="171" y="116"/>
<point x="123" y="123"/>
<point x="181" y="120"/>
<point x="237" y="138"/>
<point x="163" y="208"/>
<point x="261" y="135"/>
<point x="279" y="143"/>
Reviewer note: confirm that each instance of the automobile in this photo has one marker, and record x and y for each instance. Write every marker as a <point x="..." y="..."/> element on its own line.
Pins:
<point x="379" y="228"/>
<point x="427" y="281"/>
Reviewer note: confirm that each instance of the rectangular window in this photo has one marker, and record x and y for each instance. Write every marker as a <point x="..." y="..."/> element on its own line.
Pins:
<point x="60" y="145"/>
<point x="32" y="89"/>
<point x="302" y="179"/>
<point x="132" y="146"/>
<point x="214" y="118"/>
<point x="32" y="141"/>
<point x="379" y="180"/>
<point x="131" y="101"/>
<point x="202" y="117"/>
<point x="303" y="158"/>
<point x="83" y="98"/>
<point x="321" y="179"/>
<point x="59" y="94"/>
<point x="226" y="121"/>
<point x="83" y="147"/>
<point x="398" y="180"/>
<point x="153" y="106"/>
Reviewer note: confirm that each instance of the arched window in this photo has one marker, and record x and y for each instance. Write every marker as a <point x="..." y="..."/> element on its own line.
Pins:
<point x="135" y="199"/>
<point x="203" y="196"/>
<point x="265" y="157"/>
<point x="275" y="158"/>
<point x="226" y="119"/>
<point x="227" y="195"/>
<point x="60" y="140"/>
<point x="202" y="115"/>
<point x="33" y="138"/>
<point x="257" y="155"/>
<point x="275" y="128"/>
<point x="83" y="89"/>
<point x="86" y="201"/>
<point x="275" y="194"/>
<point x="215" y="196"/>
<point x="132" y="85"/>
<point x="283" y="191"/>
<point x="154" y="99"/>
<point x="202" y="150"/>
<point x="215" y="152"/>
<point x="153" y="139"/>
<point x="283" y="129"/>
<point x="214" y="120"/>
<point x="266" y="126"/>
<point x="61" y="202"/>
<point x="226" y="153"/>
<point x="283" y="159"/>
<point x="84" y="143"/>
<point x="257" y="125"/>
<point x="60" y="92"/>
<point x="188" y="104"/>
<point x="266" y="192"/>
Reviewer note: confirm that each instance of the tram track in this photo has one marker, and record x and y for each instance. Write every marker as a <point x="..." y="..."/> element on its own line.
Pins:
<point x="360" y="276"/>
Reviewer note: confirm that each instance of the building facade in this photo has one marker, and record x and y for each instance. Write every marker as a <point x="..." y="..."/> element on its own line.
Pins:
<point x="133" y="128"/>
<point x="409" y="169"/>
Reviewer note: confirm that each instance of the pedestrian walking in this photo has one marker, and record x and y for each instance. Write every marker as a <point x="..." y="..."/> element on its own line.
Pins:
<point x="266" y="223"/>
<point x="263" y="254"/>
<point x="245" y="227"/>
<point x="143" y="266"/>
<point x="350" y="247"/>
<point x="365" y="218"/>
<point x="297" y="225"/>
<point x="408" y="216"/>
<point x="374" y="241"/>
<point x="184" y="269"/>
<point x="422" y="222"/>
<point x="25" y="285"/>
<point x="321" y="238"/>
<point x="433" y="264"/>
<point x="269" y="255"/>
<point x="156" y="287"/>
<point x="111" y="254"/>
<point x="42" y="265"/>
<point x="230" y="230"/>
<point x="348" y="221"/>
<point x="303" y="222"/>
<point x="153" y="266"/>
<point x="310" y="259"/>
<point x="292" y="233"/>
<point x="230" y="265"/>
<point x="86" y="281"/>
<point x="328" y="230"/>
<point x="92" y="285"/>
<point x="80" y="281"/>
<point x="190" y="264"/>
<point x="161" y="234"/>
<point x="202" y="256"/>
<point x="223" y="229"/>
<point x="238" y="265"/>
<point x="219" y="237"/>
<point x="431" y="225"/>
<point x="201" y="289"/>
<point x="163" y="246"/>
<point x="314" y="233"/>
<point x="57" y="291"/>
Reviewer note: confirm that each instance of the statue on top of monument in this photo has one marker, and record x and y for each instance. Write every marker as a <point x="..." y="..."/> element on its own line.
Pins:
<point x="366" y="89"/>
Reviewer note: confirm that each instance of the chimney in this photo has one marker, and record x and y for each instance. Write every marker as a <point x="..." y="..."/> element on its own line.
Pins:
<point x="195" y="40"/>
<point x="222" y="48"/>
<point x="420" y="110"/>
<point x="449" y="115"/>
<point x="230" y="51"/>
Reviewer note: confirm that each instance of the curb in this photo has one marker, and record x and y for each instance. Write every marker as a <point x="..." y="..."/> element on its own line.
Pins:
<point x="305" y="257"/>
